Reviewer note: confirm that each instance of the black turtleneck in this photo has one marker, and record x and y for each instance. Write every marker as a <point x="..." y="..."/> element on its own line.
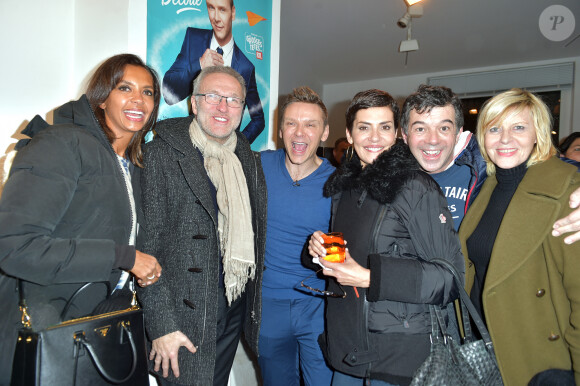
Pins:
<point x="480" y="243"/>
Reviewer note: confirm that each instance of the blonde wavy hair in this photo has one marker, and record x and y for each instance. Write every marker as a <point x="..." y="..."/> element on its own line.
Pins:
<point x="510" y="103"/>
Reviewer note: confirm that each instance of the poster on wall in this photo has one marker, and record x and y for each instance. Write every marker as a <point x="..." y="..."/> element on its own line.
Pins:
<point x="184" y="36"/>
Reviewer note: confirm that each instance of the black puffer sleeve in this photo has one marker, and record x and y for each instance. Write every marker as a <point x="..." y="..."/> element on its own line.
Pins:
<point x="44" y="181"/>
<point x="413" y="279"/>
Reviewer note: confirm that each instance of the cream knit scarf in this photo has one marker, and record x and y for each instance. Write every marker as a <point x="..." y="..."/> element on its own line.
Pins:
<point x="234" y="211"/>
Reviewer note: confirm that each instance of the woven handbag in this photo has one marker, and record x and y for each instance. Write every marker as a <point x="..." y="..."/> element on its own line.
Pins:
<point x="451" y="363"/>
<point x="108" y="348"/>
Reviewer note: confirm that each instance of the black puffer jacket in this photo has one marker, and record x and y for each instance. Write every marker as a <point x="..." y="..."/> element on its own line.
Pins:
<point x="395" y="219"/>
<point x="64" y="211"/>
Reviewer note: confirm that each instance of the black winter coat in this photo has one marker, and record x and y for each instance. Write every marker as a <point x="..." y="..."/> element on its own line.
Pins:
<point x="395" y="219"/>
<point x="63" y="211"/>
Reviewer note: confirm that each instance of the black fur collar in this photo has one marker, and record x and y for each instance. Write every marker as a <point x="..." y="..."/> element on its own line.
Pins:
<point x="382" y="180"/>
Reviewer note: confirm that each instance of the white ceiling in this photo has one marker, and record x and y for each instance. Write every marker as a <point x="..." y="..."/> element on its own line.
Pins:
<point x="337" y="41"/>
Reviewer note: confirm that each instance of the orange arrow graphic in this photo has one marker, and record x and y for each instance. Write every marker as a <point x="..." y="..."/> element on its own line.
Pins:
<point x="254" y="19"/>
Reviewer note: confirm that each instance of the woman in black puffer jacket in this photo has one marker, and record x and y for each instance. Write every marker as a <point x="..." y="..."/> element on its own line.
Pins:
<point x="70" y="209"/>
<point x="394" y="219"/>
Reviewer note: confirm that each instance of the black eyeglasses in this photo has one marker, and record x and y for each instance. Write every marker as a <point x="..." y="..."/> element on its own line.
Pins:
<point x="325" y="293"/>
<point x="215" y="99"/>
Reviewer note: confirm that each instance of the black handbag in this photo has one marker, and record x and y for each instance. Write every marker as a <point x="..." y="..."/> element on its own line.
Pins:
<point x="108" y="348"/>
<point x="451" y="363"/>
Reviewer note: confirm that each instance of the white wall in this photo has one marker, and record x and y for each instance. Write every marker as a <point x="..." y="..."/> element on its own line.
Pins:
<point x="305" y="77"/>
<point x="337" y="96"/>
<point x="34" y="77"/>
<point x="50" y="49"/>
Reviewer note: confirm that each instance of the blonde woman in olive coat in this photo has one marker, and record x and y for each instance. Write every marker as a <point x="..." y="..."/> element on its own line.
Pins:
<point x="525" y="281"/>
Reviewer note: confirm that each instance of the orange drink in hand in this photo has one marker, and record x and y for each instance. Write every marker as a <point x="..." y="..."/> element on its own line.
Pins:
<point x="334" y="245"/>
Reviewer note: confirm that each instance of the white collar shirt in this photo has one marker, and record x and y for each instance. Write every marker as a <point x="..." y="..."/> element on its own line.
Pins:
<point x="228" y="50"/>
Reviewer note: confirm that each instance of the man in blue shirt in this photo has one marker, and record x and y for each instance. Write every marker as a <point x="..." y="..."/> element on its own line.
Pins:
<point x="293" y="319"/>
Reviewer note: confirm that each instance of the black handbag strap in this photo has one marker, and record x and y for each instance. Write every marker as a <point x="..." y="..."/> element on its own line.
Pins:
<point x="467" y="308"/>
<point x="26" y="320"/>
<point x="438" y="329"/>
<point x="77" y="292"/>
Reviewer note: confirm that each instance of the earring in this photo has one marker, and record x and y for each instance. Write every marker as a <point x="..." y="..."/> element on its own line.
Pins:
<point x="349" y="153"/>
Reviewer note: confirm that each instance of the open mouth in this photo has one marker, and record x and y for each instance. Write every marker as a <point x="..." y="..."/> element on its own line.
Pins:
<point x="134" y="114"/>
<point x="299" y="147"/>
<point x="431" y="153"/>
<point x="374" y="149"/>
<point x="506" y="152"/>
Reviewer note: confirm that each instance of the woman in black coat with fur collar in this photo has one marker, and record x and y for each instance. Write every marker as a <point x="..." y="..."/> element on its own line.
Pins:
<point x="394" y="219"/>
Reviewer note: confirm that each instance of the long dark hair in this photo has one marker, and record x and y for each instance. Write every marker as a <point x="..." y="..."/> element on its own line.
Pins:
<point x="103" y="81"/>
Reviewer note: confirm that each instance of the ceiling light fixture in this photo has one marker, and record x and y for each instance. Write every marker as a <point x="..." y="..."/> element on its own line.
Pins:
<point x="405" y="20"/>
<point x="413" y="11"/>
<point x="409" y="45"/>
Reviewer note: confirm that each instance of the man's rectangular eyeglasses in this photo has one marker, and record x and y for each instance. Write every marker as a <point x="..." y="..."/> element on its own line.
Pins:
<point x="325" y="293"/>
<point x="215" y="99"/>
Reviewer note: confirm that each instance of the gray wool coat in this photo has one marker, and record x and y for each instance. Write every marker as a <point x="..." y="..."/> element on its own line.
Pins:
<point x="181" y="232"/>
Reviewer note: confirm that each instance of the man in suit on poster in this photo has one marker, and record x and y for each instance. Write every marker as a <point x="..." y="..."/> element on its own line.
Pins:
<point x="216" y="47"/>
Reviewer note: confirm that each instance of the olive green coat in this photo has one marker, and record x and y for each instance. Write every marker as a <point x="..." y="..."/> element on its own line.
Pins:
<point x="531" y="295"/>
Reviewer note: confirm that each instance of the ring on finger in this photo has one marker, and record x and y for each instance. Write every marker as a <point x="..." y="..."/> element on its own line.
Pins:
<point x="151" y="277"/>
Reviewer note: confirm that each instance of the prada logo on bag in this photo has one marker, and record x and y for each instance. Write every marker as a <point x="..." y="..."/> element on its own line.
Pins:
<point x="103" y="331"/>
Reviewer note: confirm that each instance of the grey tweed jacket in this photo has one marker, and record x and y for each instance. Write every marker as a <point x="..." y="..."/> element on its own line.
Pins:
<point x="180" y="230"/>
